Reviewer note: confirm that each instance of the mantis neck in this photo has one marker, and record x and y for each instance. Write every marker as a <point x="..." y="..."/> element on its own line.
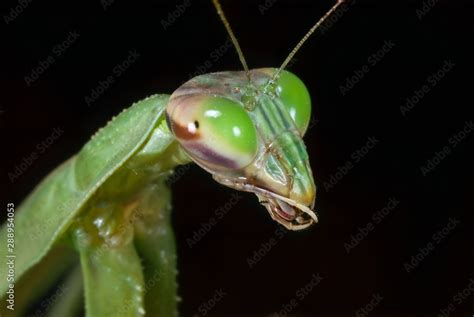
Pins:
<point x="160" y="153"/>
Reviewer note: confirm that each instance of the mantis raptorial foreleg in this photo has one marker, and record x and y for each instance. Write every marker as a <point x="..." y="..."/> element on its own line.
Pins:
<point x="155" y="243"/>
<point x="113" y="281"/>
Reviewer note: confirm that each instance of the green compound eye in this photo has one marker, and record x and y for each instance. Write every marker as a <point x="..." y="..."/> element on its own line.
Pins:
<point x="295" y="98"/>
<point x="224" y="136"/>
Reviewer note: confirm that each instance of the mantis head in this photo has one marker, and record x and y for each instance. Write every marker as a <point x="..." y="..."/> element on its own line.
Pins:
<point x="248" y="135"/>
<point x="246" y="129"/>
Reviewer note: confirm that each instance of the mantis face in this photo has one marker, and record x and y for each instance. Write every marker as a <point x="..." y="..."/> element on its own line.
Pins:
<point x="247" y="132"/>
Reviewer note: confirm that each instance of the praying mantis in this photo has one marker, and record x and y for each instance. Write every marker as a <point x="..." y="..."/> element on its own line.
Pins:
<point x="111" y="204"/>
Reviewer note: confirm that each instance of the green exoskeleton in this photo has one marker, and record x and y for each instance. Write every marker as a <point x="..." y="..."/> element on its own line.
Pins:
<point x="111" y="202"/>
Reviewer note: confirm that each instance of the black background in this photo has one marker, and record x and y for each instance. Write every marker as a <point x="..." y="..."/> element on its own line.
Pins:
<point x="342" y="125"/>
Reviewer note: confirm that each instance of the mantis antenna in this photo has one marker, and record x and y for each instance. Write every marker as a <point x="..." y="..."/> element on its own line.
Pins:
<point x="221" y="14"/>
<point x="301" y="42"/>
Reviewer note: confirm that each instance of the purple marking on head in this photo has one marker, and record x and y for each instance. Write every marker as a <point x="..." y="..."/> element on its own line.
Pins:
<point x="207" y="155"/>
